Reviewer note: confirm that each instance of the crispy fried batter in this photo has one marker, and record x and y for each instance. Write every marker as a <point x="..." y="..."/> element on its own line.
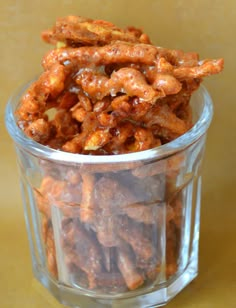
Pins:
<point x="83" y="250"/>
<point x="97" y="139"/>
<point x="164" y="117"/>
<point x="133" y="234"/>
<point x="166" y="83"/>
<point x="51" y="251"/>
<point x="133" y="83"/>
<point x="39" y="130"/>
<point x="89" y="56"/>
<point x="205" y="68"/>
<point x="94" y="84"/>
<point x="87" y="202"/>
<point x="77" y="30"/>
<point x="127" y="268"/>
<point x="109" y="205"/>
<point x="126" y="80"/>
<point x="49" y="85"/>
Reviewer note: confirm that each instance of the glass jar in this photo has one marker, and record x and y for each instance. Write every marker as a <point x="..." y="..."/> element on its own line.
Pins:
<point x="119" y="230"/>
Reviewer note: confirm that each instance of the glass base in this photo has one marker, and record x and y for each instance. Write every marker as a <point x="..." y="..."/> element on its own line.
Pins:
<point x="154" y="298"/>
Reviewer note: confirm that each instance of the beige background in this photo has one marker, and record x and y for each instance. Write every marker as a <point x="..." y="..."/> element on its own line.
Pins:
<point x="206" y="26"/>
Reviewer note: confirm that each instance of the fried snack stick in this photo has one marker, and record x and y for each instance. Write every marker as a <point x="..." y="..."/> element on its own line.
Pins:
<point x="82" y="249"/>
<point x="182" y="98"/>
<point x="176" y="203"/>
<point x="167" y="60"/>
<point x="48" y="35"/>
<point x="76" y="144"/>
<point x="132" y="233"/>
<point x="163" y="116"/>
<point x="185" y="70"/>
<point x="90" y="56"/>
<point x="53" y="132"/>
<point x="87" y="206"/>
<point x="126" y="201"/>
<point x="31" y="117"/>
<point x="160" y="75"/>
<point x="39" y="130"/>
<point x="91" y="137"/>
<point x="94" y="83"/>
<point x="134" y="84"/>
<point x="128" y="137"/>
<point x="127" y="268"/>
<point x="204" y="68"/>
<point x="34" y="101"/>
<point x="143" y="139"/>
<point x="108" y="197"/>
<point x="97" y="139"/>
<point x="121" y="103"/>
<point x="122" y="132"/>
<point x="173" y="233"/>
<point x="126" y="80"/>
<point x="169" y="77"/>
<point x="124" y="52"/>
<point x="149" y="214"/>
<point x="62" y="194"/>
<point x="166" y="83"/>
<point x="112" y="114"/>
<point x="178" y="57"/>
<point x="64" y="125"/>
<point x="77" y="30"/>
<point x="49" y="189"/>
<point x="50" y="250"/>
<point x="109" y="223"/>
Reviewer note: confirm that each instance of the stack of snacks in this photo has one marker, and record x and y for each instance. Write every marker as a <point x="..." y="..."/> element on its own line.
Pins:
<point x="111" y="91"/>
<point x="108" y="91"/>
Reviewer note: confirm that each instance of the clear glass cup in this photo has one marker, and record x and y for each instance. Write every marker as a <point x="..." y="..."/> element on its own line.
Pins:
<point x="119" y="230"/>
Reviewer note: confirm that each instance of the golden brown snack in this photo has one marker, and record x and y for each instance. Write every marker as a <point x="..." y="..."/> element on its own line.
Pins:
<point x="48" y="239"/>
<point x="108" y="91"/>
<point x="57" y="193"/>
<point x="110" y="198"/>
<point x="34" y="102"/>
<point x="87" y="210"/>
<point x="133" y="234"/>
<point x="203" y="69"/>
<point x="125" y="263"/>
<point x="149" y="214"/>
<point x="82" y="249"/>
<point x="104" y="79"/>
<point x="166" y="83"/>
<point x="77" y="30"/>
<point x="165" y="118"/>
<point x="90" y="56"/>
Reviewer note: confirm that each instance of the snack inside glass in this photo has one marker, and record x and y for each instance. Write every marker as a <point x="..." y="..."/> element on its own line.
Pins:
<point x="118" y="230"/>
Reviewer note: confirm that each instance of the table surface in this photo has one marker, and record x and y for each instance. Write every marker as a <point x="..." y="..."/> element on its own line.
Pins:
<point x="194" y="25"/>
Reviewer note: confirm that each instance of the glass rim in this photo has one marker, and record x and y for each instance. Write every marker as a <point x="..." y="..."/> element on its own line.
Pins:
<point x="47" y="153"/>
